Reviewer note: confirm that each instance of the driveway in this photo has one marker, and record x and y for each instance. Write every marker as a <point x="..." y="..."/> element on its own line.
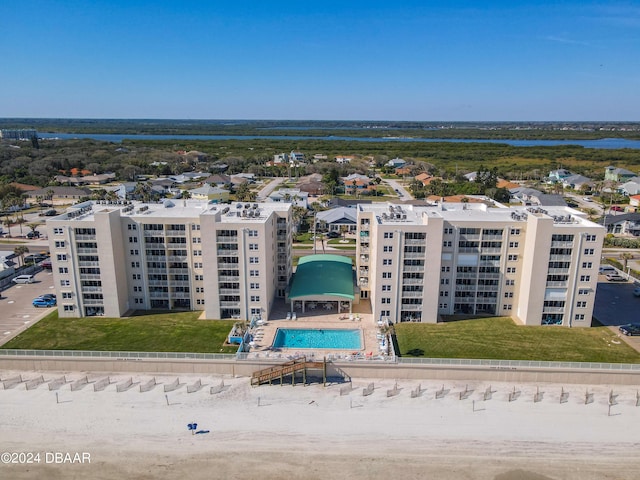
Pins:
<point x="403" y="193"/>
<point x="18" y="313"/>
<point x="269" y="187"/>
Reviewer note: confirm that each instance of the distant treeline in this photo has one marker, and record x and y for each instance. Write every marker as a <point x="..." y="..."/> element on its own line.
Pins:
<point x="444" y="130"/>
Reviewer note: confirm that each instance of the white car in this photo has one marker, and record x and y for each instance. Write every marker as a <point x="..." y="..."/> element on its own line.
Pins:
<point x="604" y="269"/>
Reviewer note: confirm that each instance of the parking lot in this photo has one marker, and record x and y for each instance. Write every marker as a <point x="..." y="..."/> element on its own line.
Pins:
<point x="17" y="311"/>
<point x="616" y="305"/>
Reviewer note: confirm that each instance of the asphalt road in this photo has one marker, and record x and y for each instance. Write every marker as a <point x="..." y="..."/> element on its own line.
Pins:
<point x="17" y="312"/>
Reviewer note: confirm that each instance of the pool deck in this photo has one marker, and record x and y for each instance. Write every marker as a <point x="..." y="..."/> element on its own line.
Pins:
<point x="361" y="319"/>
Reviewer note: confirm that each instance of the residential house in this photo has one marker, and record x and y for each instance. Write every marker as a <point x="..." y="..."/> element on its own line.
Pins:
<point x="558" y="175"/>
<point x="311" y="184"/>
<point x="290" y="195"/>
<point x="59" y="195"/>
<point x="335" y="219"/>
<point x="213" y="194"/>
<point x="619" y="175"/>
<point x="576" y="182"/>
<point x="342" y="159"/>
<point x="623" y="224"/>
<point x="356" y="183"/>
<point x="630" y="187"/>
<point x="396" y="163"/>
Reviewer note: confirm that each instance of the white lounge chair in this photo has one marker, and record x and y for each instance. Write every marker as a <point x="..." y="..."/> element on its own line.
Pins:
<point x="294" y="317"/>
<point x="288" y="315"/>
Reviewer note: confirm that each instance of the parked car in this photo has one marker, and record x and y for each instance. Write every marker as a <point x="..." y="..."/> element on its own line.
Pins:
<point x="35" y="258"/>
<point x="23" y="279"/>
<point x="615" y="277"/>
<point x="44" y="302"/>
<point x="604" y="269"/>
<point x="616" y="208"/>
<point x="636" y="291"/>
<point x="630" y="329"/>
<point x="333" y="235"/>
<point x="48" y="296"/>
<point x="47" y="265"/>
<point x="33" y="234"/>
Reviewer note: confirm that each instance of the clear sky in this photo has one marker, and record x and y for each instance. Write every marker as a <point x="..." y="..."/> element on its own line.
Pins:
<point x="352" y="60"/>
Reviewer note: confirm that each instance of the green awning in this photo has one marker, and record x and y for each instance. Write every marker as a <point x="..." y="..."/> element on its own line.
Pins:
<point x="323" y="275"/>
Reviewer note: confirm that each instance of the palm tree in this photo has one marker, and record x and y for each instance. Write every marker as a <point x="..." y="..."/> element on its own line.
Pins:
<point x="20" y="250"/>
<point x="625" y="257"/>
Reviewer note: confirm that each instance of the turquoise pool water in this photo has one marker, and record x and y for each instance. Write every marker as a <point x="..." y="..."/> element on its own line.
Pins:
<point x="325" y="339"/>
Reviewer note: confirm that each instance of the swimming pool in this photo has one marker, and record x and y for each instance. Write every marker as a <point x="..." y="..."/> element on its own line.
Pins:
<point x="326" y="339"/>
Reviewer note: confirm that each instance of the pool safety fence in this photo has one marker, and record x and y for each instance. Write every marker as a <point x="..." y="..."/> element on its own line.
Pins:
<point x="564" y="396"/>
<point x="538" y="396"/>
<point x="34" y="383"/>
<point x="588" y="397"/>
<point x="346" y="390"/>
<point x="488" y="394"/>
<point x="441" y="393"/>
<point x="172" y="386"/>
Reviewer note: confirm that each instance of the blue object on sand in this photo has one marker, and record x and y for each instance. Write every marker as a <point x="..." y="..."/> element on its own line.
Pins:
<point x="202" y="431"/>
<point x="192" y="426"/>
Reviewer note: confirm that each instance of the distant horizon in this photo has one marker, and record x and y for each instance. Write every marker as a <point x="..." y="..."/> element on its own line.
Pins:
<point x="381" y="120"/>
<point x="379" y="61"/>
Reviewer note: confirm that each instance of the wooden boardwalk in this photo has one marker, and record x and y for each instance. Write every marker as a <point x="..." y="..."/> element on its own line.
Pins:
<point x="288" y="369"/>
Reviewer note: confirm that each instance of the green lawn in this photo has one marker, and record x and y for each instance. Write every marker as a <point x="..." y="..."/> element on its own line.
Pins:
<point x="162" y="332"/>
<point x="502" y="339"/>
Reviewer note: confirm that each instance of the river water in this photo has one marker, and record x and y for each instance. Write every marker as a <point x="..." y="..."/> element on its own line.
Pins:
<point x="605" y="143"/>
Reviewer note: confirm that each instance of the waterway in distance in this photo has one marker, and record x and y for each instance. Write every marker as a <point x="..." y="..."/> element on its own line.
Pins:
<point x="604" y="143"/>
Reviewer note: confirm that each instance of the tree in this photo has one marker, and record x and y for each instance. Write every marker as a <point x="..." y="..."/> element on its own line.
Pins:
<point x="625" y="257"/>
<point x="20" y="250"/>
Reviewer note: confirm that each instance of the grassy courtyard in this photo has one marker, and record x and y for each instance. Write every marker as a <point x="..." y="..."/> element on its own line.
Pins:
<point x="162" y="332"/>
<point x="502" y="339"/>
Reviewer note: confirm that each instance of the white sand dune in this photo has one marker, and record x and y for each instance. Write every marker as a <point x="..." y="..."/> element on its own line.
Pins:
<point x="312" y="432"/>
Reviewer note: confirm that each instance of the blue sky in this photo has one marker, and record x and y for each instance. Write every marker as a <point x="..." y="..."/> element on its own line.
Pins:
<point x="352" y="60"/>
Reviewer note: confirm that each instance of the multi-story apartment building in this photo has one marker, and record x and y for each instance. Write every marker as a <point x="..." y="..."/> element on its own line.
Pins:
<point x="231" y="261"/>
<point x="417" y="263"/>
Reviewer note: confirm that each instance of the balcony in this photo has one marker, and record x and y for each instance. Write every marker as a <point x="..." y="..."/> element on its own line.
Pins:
<point x="158" y="294"/>
<point x="89" y="276"/>
<point x="561" y="271"/>
<point x="85" y="237"/>
<point x="413" y="241"/>
<point x="413" y="281"/>
<point x="413" y="268"/>
<point x="414" y="255"/>
<point x="553" y="309"/>
<point x="229" y="304"/>
<point x="557" y="284"/>
<point x="88" y="264"/>
<point x="559" y="258"/>
<point x="229" y="291"/>
<point x="412" y="294"/>
<point x="93" y="301"/>
<point x="559" y="244"/>
<point x="228" y="265"/>
<point x="411" y="307"/>
<point x="227" y="278"/>
<point x="86" y="250"/>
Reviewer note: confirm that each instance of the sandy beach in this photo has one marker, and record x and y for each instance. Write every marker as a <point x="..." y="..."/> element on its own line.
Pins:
<point x="314" y="432"/>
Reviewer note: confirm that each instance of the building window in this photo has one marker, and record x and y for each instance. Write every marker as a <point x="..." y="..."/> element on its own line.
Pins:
<point x="579" y="316"/>
<point x="511" y="269"/>
<point x="133" y="239"/>
<point x="510" y="282"/>
<point x="66" y="295"/>
<point x="255" y="298"/>
<point x="195" y="227"/>
<point x="590" y="238"/>
<point x="585" y="278"/>
<point x="445" y="269"/>
<point x="386" y="275"/>
<point x="387" y="248"/>
<point x="253" y="233"/>
<point x="386" y="300"/>
<point x="197" y="265"/>
<point x="587" y="265"/>
<point x="446" y="243"/>
<point x="135" y="264"/>
<point x="588" y="251"/>
<point x="61" y="257"/>
<point x="199" y="278"/>
<point x="197" y="240"/>
<point x="63" y="270"/>
<point x="386" y="288"/>
<point x="197" y="253"/>
<point x="254" y="286"/>
<point x="583" y="291"/>
<point x="253" y="246"/>
<point x="513" y="244"/>
<point x="581" y="304"/>
<point x="254" y="260"/>
<point x="506" y="306"/>
<point x="132" y="226"/>
<point x="515" y="231"/>
<point x="388" y="234"/>
<point x="444" y="293"/>
<point x="254" y="273"/>
<point x="68" y="308"/>
<point x="60" y="244"/>
<point x="443" y="305"/>
<point x="444" y="281"/>
<point x="64" y="283"/>
<point x="512" y="258"/>
<point x="448" y="231"/>
<point x="136" y="276"/>
<point x="508" y="294"/>
<point x="58" y="231"/>
<point x="387" y="261"/>
<point x="134" y="252"/>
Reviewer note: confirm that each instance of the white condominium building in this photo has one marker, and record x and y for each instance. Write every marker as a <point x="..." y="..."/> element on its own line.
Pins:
<point x="231" y="261"/>
<point x="418" y="263"/>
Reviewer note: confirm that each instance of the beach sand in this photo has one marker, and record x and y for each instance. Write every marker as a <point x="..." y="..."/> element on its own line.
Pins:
<point x="314" y="432"/>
